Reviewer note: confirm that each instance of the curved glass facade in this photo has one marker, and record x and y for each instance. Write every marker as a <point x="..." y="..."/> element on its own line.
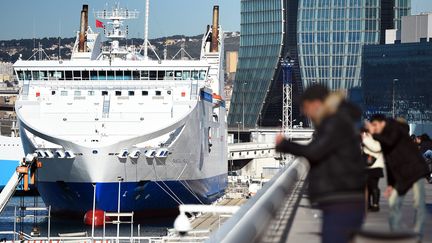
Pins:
<point x="324" y="38"/>
<point x="260" y="47"/>
<point x="330" y="38"/>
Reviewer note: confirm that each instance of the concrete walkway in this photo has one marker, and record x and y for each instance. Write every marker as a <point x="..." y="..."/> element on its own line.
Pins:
<point x="306" y="225"/>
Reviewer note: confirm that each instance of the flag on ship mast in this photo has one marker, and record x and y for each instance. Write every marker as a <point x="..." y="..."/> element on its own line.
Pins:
<point x="99" y="24"/>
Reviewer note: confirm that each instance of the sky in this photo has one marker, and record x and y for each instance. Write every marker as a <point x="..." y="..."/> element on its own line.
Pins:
<point x="51" y="18"/>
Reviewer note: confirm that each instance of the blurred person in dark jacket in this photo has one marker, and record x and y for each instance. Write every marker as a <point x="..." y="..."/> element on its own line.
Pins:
<point x="424" y="142"/>
<point x="405" y="168"/>
<point x="425" y="146"/>
<point x="337" y="175"/>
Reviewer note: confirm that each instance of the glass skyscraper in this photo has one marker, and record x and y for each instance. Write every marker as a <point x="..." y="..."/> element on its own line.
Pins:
<point x="331" y="34"/>
<point x="323" y="37"/>
<point x="260" y="46"/>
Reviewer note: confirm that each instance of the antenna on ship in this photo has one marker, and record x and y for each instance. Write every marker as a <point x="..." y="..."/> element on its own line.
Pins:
<point x="146" y="27"/>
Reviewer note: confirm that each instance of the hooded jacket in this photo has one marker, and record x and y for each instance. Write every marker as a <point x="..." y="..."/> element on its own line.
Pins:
<point x="404" y="162"/>
<point x="337" y="172"/>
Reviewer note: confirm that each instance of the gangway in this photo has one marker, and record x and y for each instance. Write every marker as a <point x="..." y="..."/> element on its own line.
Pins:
<point x="21" y="172"/>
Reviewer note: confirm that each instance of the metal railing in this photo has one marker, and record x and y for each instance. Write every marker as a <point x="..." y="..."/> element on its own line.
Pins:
<point x="251" y="221"/>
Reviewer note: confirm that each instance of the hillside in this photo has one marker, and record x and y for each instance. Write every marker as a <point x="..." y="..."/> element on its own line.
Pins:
<point x="10" y="50"/>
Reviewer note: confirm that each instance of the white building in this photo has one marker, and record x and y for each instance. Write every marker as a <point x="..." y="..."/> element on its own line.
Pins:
<point x="413" y="29"/>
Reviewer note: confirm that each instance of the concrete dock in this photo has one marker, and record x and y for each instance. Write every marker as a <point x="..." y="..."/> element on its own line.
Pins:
<point x="306" y="226"/>
<point x="212" y="222"/>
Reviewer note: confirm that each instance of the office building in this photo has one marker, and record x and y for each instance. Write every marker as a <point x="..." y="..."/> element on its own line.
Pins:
<point x="324" y="38"/>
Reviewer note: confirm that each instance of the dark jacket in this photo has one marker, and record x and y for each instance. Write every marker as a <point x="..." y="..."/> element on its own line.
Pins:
<point x="404" y="163"/>
<point x="424" y="146"/>
<point x="337" y="172"/>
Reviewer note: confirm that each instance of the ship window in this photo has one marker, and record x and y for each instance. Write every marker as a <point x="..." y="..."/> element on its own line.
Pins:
<point x="28" y="75"/>
<point x="68" y="75"/>
<point x="195" y="75"/>
<point x="104" y="93"/>
<point x="76" y="75"/>
<point x="20" y="75"/>
<point x="153" y="75"/>
<point x="93" y="75"/>
<point x="202" y="75"/>
<point x="186" y="75"/>
<point x="102" y="75"/>
<point x="118" y="93"/>
<point x="35" y="75"/>
<point x="119" y="75"/>
<point x="169" y="92"/>
<point x="131" y="93"/>
<point x="85" y="75"/>
<point x="178" y="75"/>
<point x="161" y="75"/>
<point x="53" y="92"/>
<point x="144" y="93"/>
<point x="64" y="93"/>
<point x="145" y="75"/>
<point x="158" y="93"/>
<point x="136" y="75"/>
<point x="59" y="75"/>
<point x="90" y="93"/>
<point x="77" y="93"/>
<point x="169" y="75"/>
<point x="110" y="75"/>
<point x="127" y="75"/>
<point x="43" y="75"/>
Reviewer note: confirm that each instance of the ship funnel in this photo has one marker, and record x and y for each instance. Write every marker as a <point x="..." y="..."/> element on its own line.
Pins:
<point x="215" y="30"/>
<point x="82" y="47"/>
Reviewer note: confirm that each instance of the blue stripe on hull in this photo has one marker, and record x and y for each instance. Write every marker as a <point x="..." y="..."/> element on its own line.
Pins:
<point x="138" y="197"/>
<point x="7" y="167"/>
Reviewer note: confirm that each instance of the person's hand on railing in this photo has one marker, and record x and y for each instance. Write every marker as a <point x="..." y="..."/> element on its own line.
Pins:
<point x="279" y="138"/>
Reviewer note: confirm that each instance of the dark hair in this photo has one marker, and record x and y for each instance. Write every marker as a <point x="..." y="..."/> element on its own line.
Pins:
<point x="378" y="117"/>
<point x="424" y="137"/>
<point x="315" y="92"/>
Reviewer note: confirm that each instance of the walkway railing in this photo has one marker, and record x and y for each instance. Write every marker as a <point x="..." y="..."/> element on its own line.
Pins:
<point x="253" y="218"/>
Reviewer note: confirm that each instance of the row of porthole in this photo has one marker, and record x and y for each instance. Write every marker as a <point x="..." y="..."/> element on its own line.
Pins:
<point x="10" y="145"/>
<point x="247" y="153"/>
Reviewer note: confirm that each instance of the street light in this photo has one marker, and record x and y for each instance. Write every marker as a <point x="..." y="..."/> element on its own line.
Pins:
<point x="238" y="131"/>
<point x="120" y="179"/>
<point x="94" y="208"/>
<point x="243" y="95"/>
<point x="393" y="99"/>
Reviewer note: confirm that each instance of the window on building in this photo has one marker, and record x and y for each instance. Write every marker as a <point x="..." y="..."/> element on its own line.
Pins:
<point x="118" y="93"/>
<point x="104" y="93"/>
<point x="158" y="93"/>
<point x="63" y="93"/>
<point x="144" y="93"/>
<point x="131" y="93"/>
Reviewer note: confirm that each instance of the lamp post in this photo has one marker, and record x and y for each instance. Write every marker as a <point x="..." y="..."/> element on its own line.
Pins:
<point x="94" y="208"/>
<point x="243" y="101"/>
<point x="238" y="131"/>
<point x="120" y="179"/>
<point x="393" y="99"/>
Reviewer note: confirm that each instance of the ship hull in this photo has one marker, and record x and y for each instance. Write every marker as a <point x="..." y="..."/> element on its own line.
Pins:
<point x="145" y="198"/>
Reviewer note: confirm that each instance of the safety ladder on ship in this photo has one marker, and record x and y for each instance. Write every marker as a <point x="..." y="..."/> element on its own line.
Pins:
<point x="106" y="106"/>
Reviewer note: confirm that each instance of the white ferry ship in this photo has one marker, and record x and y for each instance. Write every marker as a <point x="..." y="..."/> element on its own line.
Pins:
<point x="111" y="117"/>
<point x="11" y="152"/>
